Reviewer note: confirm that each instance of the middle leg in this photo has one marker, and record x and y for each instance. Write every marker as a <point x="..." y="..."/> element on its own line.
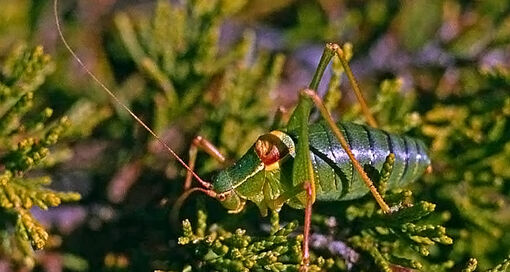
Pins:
<point x="307" y="223"/>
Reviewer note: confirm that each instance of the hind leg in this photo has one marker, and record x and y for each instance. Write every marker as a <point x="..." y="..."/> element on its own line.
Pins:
<point x="355" y="86"/>
<point x="312" y="95"/>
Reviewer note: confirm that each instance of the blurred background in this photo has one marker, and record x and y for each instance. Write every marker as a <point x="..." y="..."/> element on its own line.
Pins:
<point x="221" y="69"/>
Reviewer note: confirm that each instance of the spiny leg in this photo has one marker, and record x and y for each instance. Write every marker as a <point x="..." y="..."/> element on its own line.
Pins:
<point x="339" y="135"/>
<point x="368" y="116"/>
<point x="209" y="148"/>
<point x="355" y="86"/>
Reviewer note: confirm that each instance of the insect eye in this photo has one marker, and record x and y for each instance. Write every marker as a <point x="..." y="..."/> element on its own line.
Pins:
<point x="222" y="196"/>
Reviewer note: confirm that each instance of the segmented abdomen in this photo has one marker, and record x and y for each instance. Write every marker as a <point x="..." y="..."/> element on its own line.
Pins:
<point x="336" y="178"/>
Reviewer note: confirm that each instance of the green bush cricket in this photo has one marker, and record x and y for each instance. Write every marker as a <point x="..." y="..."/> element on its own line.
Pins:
<point x="301" y="162"/>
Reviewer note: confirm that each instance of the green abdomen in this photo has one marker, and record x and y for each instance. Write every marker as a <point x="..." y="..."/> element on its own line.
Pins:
<point x="335" y="176"/>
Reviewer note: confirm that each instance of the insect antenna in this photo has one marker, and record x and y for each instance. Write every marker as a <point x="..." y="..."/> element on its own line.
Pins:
<point x="205" y="184"/>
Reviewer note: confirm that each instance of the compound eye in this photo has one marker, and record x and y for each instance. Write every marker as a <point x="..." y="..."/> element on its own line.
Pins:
<point x="222" y="196"/>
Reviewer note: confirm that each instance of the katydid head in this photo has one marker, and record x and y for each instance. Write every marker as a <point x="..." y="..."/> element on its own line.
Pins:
<point x="229" y="180"/>
<point x="245" y="180"/>
<point x="231" y="201"/>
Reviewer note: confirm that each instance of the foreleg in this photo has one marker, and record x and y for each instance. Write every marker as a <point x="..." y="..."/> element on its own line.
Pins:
<point x="209" y="148"/>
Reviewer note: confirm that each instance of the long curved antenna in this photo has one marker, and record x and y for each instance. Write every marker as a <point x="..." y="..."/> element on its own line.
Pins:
<point x="174" y="214"/>
<point x="112" y="95"/>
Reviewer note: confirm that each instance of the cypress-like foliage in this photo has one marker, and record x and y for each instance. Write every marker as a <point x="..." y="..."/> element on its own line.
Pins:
<point x="176" y="72"/>
<point x="417" y="236"/>
<point x="26" y="137"/>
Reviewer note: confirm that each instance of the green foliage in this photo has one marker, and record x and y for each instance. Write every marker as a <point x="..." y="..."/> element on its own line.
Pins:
<point x="414" y="236"/>
<point x="416" y="26"/>
<point x="503" y="266"/>
<point x="413" y="232"/>
<point x="431" y="70"/>
<point x="221" y="250"/>
<point x="460" y="108"/>
<point x="467" y="132"/>
<point x="178" y="51"/>
<point x="398" y="239"/>
<point x="469" y="138"/>
<point x="25" y="141"/>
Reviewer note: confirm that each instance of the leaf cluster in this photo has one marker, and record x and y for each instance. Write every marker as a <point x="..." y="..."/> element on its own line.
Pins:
<point x="25" y="140"/>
